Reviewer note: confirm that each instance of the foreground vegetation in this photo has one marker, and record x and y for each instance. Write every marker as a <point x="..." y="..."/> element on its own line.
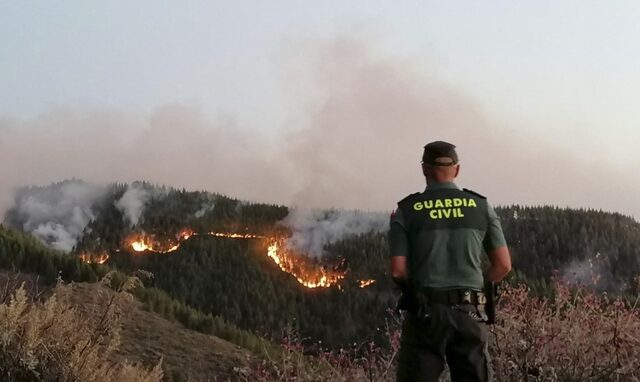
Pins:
<point x="574" y="336"/>
<point x="49" y="340"/>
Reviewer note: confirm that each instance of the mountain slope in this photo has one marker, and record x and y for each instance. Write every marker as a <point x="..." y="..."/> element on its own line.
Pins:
<point x="146" y="337"/>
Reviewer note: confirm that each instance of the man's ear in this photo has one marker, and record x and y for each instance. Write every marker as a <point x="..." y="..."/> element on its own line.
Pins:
<point x="424" y="169"/>
<point x="457" y="170"/>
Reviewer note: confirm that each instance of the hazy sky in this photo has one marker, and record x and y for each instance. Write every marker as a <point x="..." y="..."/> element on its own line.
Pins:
<point x="328" y="102"/>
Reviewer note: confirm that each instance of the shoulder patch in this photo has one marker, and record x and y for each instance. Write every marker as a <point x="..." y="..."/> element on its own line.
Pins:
<point x="474" y="193"/>
<point x="409" y="196"/>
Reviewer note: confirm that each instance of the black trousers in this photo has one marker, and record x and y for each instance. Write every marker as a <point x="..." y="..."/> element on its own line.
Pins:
<point x="449" y="335"/>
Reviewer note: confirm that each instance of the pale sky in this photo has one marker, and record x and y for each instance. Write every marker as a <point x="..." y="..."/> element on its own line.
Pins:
<point x="562" y="75"/>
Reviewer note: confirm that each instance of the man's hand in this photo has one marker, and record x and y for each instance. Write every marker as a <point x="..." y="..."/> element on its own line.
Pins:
<point x="399" y="275"/>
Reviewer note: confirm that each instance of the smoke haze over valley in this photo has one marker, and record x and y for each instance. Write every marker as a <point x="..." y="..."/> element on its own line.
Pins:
<point x="353" y="141"/>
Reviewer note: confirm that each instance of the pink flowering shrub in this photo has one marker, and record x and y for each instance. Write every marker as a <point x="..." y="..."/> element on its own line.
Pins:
<point x="580" y="336"/>
<point x="361" y="362"/>
<point x="574" y="336"/>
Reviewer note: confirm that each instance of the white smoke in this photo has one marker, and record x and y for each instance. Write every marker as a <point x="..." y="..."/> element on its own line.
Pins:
<point x="58" y="214"/>
<point x="132" y="203"/>
<point x="313" y="229"/>
<point x="593" y="272"/>
<point x="57" y="236"/>
<point x="206" y="207"/>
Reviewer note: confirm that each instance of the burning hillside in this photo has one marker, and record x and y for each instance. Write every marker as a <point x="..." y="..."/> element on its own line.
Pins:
<point x="306" y="273"/>
<point x="302" y="268"/>
<point x="141" y="242"/>
<point x="99" y="258"/>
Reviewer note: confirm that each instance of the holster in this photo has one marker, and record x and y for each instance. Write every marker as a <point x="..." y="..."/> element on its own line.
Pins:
<point x="491" y="292"/>
<point x="422" y="312"/>
<point x="407" y="301"/>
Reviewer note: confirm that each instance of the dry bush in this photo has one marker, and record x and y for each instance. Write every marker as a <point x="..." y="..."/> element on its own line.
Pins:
<point x="51" y="341"/>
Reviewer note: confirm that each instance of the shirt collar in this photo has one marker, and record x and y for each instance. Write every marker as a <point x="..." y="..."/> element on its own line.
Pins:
<point x="443" y="185"/>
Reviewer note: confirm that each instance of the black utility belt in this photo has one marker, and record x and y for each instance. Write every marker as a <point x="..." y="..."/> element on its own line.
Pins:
<point x="452" y="296"/>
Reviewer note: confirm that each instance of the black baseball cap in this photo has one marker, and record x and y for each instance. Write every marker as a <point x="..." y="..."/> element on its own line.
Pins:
<point x="440" y="153"/>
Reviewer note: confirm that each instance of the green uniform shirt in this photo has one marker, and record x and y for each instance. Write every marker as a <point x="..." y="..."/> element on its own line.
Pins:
<point x="444" y="233"/>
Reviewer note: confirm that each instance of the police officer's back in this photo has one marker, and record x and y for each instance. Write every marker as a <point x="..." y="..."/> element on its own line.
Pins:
<point x="437" y="241"/>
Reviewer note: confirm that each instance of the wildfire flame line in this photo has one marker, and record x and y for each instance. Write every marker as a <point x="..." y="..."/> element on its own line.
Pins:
<point x="235" y="235"/>
<point x="94" y="259"/>
<point x="306" y="273"/>
<point x="310" y="278"/>
<point x="366" y="283"/>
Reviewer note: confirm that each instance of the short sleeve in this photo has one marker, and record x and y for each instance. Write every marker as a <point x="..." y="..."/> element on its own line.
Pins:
<point x="397" y="218"/>
<point x="494" y="237"/>
<point x="398" y="240"/>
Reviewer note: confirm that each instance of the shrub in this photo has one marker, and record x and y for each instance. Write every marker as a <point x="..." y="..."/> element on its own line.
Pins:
<point x="574" y="335"/>
<point x="52" y="341"/>
<point x="361" y="362"/>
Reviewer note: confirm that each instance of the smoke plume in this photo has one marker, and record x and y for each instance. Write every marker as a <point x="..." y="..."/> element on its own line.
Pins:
<point x="357" y="121"/>
<point x="313" y="229"/>
<point x="206" y="207"/>
<point x="132" y="203"/>
<point x="58" y="214"/>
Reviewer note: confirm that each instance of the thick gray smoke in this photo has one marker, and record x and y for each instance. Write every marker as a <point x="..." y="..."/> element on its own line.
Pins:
<point x="313" y="229"/>
<point x="58" y="214"/>
<point x="358" y="119"/>
<point x="132" y="203"/>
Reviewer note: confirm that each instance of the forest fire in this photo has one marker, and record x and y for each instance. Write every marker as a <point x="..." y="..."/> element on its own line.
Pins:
<point x="142" y="242"/>
<point x="307" y="273"/>
<point x="366" y="283"/>
<point x="235" y="235"/>
<point x="94" y="259"/>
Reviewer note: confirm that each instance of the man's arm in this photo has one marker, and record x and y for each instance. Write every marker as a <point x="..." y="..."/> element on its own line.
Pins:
<point x="496" y="247"/>
<point x="399" y="270"/>
<point x="500" y="264"/>
<point x="399" y="250"/>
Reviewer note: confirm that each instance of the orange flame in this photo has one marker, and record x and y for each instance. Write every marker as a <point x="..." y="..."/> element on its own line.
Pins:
<point x="94" y="259"/>
<point x="301" y="268"/>
<point x="303" y="271"/>
<point x="140" y="246"/>
<point x="142" y="242"/>
<point x="185" y="234"/>
<point x="366" y="283"/>
<point x="235" y="235"/>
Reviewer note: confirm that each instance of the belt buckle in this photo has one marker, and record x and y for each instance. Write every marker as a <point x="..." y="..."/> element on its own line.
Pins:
<point x="482" y="299"/>
<point x="466" y="297"/>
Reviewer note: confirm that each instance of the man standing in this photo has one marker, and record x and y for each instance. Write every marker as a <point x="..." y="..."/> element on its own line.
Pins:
<point x="437" y="240"/>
